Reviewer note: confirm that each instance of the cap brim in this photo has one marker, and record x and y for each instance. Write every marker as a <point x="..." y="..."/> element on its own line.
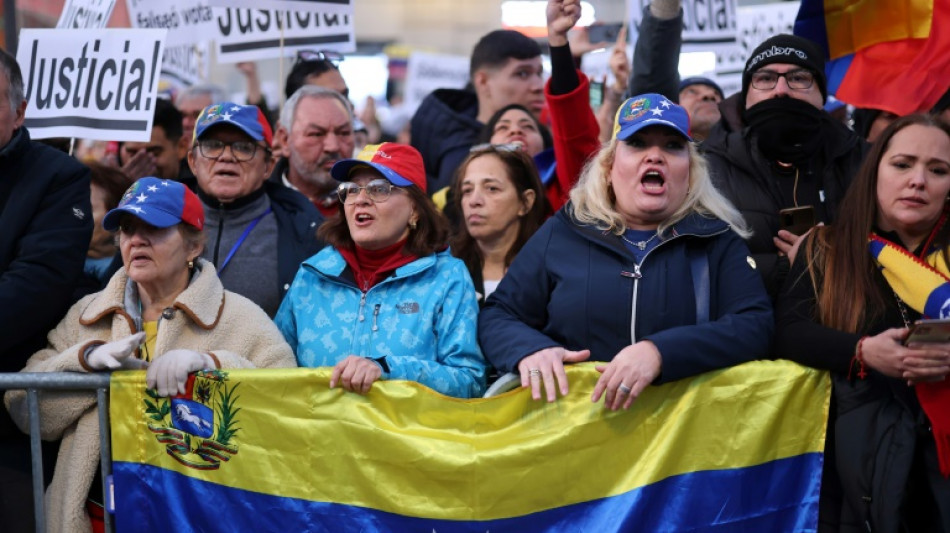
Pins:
<point x="342" y="171"/>
<point x="252" y="134"/>
<point x="629" y="130"/>
<point x="153" y="217"/>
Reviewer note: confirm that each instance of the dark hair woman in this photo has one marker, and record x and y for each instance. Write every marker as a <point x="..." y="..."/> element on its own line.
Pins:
<point x="846" y="307"/>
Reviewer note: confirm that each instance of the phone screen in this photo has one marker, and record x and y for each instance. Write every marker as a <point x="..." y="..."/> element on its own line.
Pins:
<point x="604" y="33"/>
<point x="596" y="94"/>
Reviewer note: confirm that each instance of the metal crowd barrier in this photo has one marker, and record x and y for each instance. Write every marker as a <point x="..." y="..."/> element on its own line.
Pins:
<point x="33" y="382"/>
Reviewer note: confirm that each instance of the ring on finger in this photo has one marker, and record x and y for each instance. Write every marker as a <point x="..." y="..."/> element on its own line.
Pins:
<point x="534" y="372"/>
<point x="623" y="389"/>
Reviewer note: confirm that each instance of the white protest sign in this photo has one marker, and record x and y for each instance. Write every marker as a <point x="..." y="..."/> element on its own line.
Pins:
<point x="185" y="65"/>
<point x="85" y="14"/>
<point x="251" y="35"/>
<point x="90" y="84"/>
<point x="427" y="72"/>
<point x="756" y="24"/>
<point x="708" y="25"/>
<point x="282" y="4"/>
<point x="187" y="21"/>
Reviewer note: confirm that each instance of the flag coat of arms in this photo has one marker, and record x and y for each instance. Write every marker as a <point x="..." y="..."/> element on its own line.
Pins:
<point x="733" y="450"/>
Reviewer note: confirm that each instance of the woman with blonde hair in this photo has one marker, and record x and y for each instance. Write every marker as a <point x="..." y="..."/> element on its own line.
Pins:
<point x="645" y="269"/>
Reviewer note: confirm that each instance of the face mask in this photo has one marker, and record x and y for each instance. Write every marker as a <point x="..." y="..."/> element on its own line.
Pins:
<point x="787" y="129"/>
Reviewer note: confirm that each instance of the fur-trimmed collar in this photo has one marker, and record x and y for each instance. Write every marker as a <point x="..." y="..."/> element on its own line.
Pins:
<point x="202" y="301"/>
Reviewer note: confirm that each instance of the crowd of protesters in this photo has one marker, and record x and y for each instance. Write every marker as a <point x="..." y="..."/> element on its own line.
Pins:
<point x="518" y="230"/>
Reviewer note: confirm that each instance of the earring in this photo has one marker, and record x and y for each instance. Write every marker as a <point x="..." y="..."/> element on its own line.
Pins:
<point x="191" y="265"/>
<point x="412" y="225"/>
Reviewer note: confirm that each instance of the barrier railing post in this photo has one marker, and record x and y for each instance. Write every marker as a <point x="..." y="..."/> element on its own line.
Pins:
<point x="36" y="456"/>
<point x="105" y="453"/>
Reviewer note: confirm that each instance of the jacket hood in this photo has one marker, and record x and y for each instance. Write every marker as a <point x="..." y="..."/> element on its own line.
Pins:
<point x="202" y="301"/>
<point x="694" y="224"/>
<point x="446" y="119"/>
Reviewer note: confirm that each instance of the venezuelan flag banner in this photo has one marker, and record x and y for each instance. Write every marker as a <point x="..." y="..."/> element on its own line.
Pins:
<point x="892" y="55"/>
<point x="276" y="450"/>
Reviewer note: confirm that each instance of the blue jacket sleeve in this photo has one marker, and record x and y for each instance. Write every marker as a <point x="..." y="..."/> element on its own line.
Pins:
<point x="741" y="324"/>
<point x="510" y="324"/>
<point x="459" y="369"/>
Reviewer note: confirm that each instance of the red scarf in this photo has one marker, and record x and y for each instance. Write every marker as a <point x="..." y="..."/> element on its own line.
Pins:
<point x="372" y="266"/>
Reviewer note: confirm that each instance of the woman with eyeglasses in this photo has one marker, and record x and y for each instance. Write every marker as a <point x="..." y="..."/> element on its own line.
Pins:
<point x="259" y="231"/>
<point x="386" y="299"/>
<point x="645" y="270"/>
<point x="502" y="202"/>
<point x="164" y="311"/>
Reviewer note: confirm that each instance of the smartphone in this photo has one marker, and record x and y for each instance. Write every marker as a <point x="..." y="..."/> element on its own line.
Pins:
<point x="596" y="94"/>
<point x="797" y="220"/>
<point x="929" y="330"/>
<point x="604" y="33"/>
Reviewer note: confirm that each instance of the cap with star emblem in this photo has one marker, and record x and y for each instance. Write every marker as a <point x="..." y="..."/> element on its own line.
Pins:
<point x="650" y="110"/>
<point x="157" y="202"/>
<point x="248" y="118"/>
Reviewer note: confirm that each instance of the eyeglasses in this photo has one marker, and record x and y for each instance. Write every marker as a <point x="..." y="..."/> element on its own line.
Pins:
<point x="320" y="55"/>
<point x="796" y="79"/>
<point x="378" y="190"/>
<point x="241" y="150"/>
<point x="489" y="147"/>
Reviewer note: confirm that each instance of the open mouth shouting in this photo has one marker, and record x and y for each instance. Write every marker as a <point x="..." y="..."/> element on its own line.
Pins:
<point x="653" y="182"/>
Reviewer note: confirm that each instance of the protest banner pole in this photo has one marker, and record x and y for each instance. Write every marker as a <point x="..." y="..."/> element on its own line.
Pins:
<point x="280" y="73"/>
<point x="9" y="26"/>
<point x="72" y="145"/>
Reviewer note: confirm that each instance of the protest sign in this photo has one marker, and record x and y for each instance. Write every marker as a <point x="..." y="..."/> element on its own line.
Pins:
<point x="428" y="72"/>
<point x="251" y="35"/>
<point x="185" y="65"/>
<point x="282" y="4"/>
<point x="756" y="24"/>
<point x="708" y="25"/>
<point x="94" y="85"/>
<point x="85" y="14"/>
<point x="187" y="22"/>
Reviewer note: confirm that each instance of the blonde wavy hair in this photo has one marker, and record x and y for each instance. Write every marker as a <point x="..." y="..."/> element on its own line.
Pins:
<point x="593" y="201"/>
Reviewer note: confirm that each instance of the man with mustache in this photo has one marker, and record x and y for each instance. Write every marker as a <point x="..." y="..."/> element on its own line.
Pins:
<point x="315" y="131"/>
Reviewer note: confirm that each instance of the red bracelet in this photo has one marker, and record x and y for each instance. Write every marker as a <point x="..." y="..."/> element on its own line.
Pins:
<point x="859" y="359"/>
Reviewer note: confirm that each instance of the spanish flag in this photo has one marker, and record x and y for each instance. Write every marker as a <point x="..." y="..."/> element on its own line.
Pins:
<point x="885" y="54"/>
<point x="276" y="450"/>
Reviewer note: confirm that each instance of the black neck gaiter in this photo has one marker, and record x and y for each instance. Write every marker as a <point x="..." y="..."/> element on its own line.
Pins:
<point x="787" y="129"/>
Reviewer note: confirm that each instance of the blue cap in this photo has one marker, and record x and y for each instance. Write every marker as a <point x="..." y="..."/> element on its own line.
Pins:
<point x="650" y="110"/>
<point x="248" y="118"/>
<point x="159" y="203"/>
<point x="700" y="80"/>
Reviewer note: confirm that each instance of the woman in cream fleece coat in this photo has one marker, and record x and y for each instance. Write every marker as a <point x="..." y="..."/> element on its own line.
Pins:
<point x="198" y="326"/>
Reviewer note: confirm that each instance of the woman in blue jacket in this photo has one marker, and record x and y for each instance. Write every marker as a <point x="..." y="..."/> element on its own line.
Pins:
<point x="645" y="269"/>
<point x="386" y="300"/>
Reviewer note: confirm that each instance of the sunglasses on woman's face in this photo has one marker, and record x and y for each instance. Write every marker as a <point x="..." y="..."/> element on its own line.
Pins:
<point x="489" y="147"/>
<point x="378" y="190"/>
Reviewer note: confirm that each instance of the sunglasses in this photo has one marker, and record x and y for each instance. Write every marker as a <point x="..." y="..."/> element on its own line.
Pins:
<point x="320" y="55"/>
<point x="378" y="190"/>
<point x="489" y="147"/>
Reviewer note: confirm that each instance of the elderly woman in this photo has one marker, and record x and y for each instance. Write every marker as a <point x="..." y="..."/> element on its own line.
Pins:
<point x="852" y="293"/>
<point x="644" y="269"/>
<point x="386" y="300"/>
<point x="164" y="310"/>
<point x="502" y="202"/>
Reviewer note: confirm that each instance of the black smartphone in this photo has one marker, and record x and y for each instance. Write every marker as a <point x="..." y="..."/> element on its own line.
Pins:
<point x="797" y="220"/>
<point x="604" y="33"/>
<point x="596" y="94"/>
<point x="929" y="330"/>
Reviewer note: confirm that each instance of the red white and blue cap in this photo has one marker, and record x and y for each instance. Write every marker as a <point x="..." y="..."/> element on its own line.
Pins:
<point x="248" y="118"/>
<point x="648" y="110"/>
<point x="159" y="203"/>
<point x="401" y="164"/>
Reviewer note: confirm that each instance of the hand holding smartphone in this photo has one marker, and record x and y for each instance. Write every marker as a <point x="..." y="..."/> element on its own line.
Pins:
<point x="797" y="220"/>
<point x="929" y="331"/>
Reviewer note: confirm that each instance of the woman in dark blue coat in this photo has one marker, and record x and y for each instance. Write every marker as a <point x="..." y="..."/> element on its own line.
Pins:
<point x="645" y="269"/>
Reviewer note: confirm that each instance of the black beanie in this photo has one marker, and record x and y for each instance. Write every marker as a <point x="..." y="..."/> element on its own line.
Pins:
<point x="784" y="48"/>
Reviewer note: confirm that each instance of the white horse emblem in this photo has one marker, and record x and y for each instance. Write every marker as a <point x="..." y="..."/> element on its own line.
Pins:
<point x="185" y="415"/>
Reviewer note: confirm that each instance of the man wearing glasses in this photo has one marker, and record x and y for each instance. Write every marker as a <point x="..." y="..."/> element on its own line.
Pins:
<point x="775" y="148"/>
<point x="258" y="232"/>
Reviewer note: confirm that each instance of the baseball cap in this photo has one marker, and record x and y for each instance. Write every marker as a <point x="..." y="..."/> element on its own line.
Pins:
<point x="248" y="118"/>
<point x="650" y="109"/>
<point x="401" y="164"/>
<point x="157" y="202"/>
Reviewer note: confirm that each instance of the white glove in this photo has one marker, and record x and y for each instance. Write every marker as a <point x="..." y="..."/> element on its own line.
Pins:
<point x="169" y="371"/>
<point x="117" y="354"/>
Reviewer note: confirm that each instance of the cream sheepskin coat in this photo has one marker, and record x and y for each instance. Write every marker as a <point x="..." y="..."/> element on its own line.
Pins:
<point x="208" y="319"/>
